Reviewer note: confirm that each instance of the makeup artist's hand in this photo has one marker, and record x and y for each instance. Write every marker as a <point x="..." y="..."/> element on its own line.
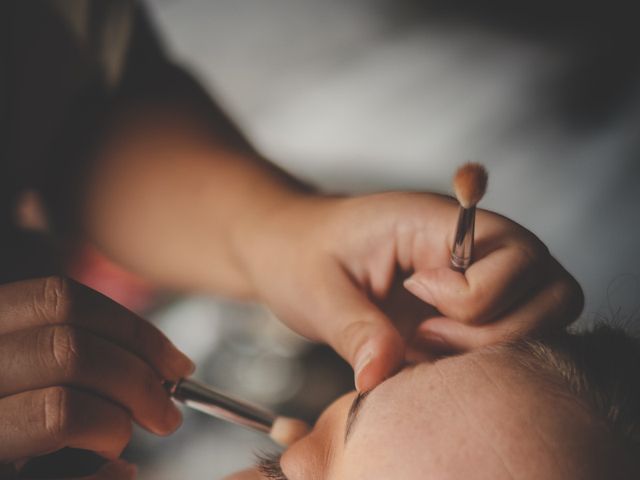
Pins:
<point x="333" y="270"/>
<point x="76" y="369"/>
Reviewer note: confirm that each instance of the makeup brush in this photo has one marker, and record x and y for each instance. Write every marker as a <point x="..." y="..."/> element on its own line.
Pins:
<point x="283" y="430"/>
<point x="469" y="185"/>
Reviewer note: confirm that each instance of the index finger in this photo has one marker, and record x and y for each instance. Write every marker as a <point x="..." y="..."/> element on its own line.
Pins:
<point x="57" y="301"/>
<point x="489" y="287"/>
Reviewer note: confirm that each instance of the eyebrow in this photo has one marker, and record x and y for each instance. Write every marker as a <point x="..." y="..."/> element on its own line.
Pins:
<point x="352" y="416"/>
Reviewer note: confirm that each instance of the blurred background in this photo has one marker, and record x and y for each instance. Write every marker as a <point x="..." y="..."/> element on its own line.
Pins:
<point x="371" y="95"/>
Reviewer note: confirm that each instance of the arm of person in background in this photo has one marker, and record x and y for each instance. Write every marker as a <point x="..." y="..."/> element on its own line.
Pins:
<point x="177" y="195"/>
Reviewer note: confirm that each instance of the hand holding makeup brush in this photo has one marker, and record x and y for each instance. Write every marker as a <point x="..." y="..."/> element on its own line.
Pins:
<point x="176" y="203"/>
<point x="333" y="269"/>
<point x="178" y="196"/>
<point x="77" y="370"/>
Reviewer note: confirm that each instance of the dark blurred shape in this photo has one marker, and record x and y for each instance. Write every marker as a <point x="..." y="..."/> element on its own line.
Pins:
<point x="65" y="463"/>
<point x="599" y="40"/>
<point x="25" y="254"/>
<point x="326" y="377"/>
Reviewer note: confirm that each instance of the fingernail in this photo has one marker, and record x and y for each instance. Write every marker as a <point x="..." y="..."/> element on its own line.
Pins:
<point x="415" y="286"/>
<point x="363" y="358"/>
<point x="437" y="344"/>
<point x="435" y="339"/>
<point x="181" y="365"/>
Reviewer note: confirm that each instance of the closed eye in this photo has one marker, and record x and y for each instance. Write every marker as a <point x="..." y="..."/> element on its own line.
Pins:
<point x="269" y="466"/>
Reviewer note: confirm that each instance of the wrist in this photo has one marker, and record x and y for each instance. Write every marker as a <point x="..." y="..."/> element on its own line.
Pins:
<point x="268" y="240"/>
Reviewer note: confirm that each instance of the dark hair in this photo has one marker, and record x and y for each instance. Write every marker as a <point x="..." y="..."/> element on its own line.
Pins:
<point x="601" y="368"/>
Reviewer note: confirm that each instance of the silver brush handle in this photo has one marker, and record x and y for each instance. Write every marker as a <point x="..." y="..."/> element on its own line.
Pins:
<point x="462" y="250"/>
<point x="204" y="399"/>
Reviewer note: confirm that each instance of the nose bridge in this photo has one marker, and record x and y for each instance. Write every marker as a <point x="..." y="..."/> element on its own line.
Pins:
<point x="312" y="457"/>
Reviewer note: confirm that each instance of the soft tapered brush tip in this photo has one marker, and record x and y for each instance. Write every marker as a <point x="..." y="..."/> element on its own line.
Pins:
<point x="470" y="184"/>
<point x="286" y="431"/>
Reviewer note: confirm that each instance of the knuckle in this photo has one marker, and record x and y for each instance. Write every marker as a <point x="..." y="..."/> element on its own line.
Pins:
<point x="470" y="315"/>
<point x="66" y="347"/>
<point x="151" y="381"/>
<point x="532" y="246"/>
<point x="57" y="413"/>
<point x="56" y="302"/>
<point x="476" y="297"/>
<point x="473" y="306"/>
<point x="528" y="252"/>
<point x="461" y="300"/>
<point x="351" y="336"/>
<point x="529" y="255"/>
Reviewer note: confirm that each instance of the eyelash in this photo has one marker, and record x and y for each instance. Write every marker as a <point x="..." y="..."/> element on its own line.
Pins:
<point x="269" y="466"/>
<point x="351" y="416"/>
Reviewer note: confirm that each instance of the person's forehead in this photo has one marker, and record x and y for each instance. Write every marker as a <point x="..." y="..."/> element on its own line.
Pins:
<point x="453" y="419"/>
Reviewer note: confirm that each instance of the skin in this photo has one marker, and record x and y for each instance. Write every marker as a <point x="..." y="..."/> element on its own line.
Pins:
<point x="173" y="192"/>
<point x="177" y="195"/>
<point x="77" y="371"/>
<point x="472" y="416"/>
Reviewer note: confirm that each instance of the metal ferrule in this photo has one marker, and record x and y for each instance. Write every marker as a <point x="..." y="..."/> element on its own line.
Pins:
<point x="462" y="250"/>
<point x="203" y="398"/>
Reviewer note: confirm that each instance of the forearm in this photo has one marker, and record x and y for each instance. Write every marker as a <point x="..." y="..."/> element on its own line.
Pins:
<point x="171" y="189"/>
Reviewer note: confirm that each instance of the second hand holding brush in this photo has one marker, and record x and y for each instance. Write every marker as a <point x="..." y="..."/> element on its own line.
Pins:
<point x="196" y="395"/>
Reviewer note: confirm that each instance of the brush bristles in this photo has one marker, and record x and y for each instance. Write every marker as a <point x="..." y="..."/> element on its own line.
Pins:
<point x="470" y="184"/>
<point x="286" y="431"/>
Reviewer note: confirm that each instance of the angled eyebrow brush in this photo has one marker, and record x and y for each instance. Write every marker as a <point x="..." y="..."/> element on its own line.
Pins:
<point x="469" y="185"/>
<point x="196" y="395"/>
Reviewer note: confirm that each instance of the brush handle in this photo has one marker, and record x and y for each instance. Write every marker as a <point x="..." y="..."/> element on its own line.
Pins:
<point x="462" y="250"/>
<point x="207" y="400"/>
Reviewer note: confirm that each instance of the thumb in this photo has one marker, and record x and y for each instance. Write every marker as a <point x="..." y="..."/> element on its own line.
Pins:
<point x="359" y="332"/>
